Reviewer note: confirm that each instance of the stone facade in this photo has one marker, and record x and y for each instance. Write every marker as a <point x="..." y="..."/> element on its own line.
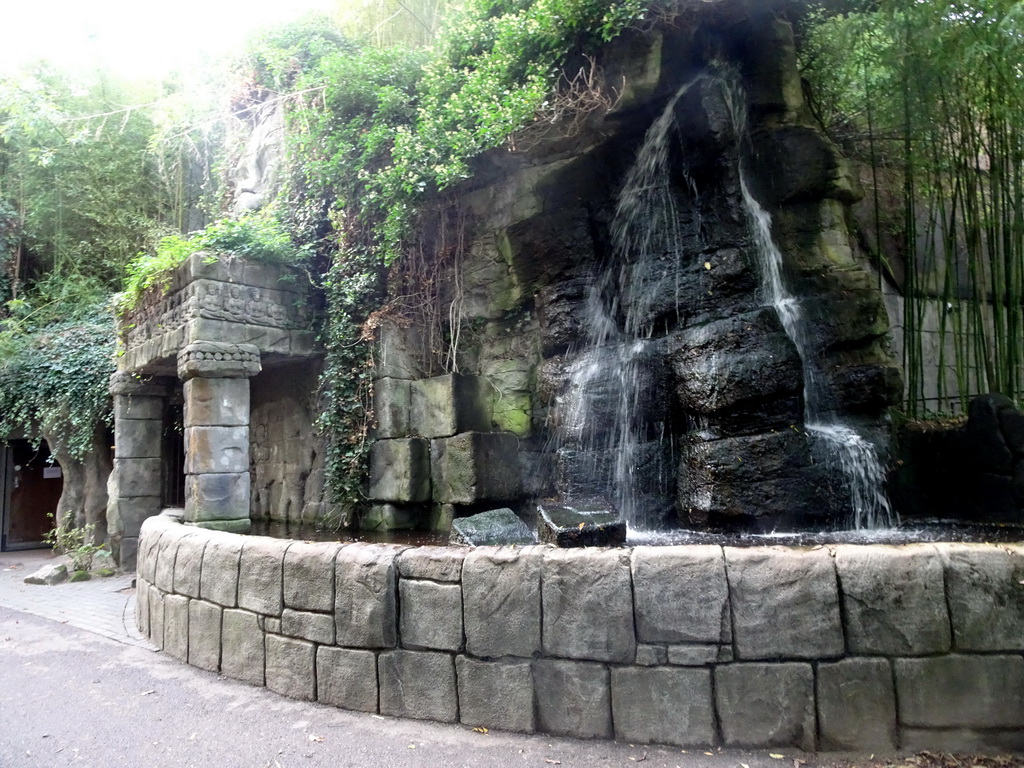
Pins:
<point x="856" y="648"/>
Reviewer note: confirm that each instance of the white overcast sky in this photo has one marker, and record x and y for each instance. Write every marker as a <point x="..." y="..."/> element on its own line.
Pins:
<point x="145" y="38"/>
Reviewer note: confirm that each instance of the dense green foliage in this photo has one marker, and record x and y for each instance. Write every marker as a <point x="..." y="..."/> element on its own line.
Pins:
<point x="931" y="96"/>
<point x="54" y="376"/>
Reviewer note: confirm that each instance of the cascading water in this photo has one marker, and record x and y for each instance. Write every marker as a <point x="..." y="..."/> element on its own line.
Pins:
<point x="614" y="438"/>
<point x="855" y="457"/>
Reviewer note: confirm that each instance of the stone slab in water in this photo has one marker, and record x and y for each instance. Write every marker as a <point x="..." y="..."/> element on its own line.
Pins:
<point x="495" y="527"/>
<point x="588" y="524"/>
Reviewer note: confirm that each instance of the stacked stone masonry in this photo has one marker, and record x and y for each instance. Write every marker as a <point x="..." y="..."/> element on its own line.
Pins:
<point x="870" y="648"/>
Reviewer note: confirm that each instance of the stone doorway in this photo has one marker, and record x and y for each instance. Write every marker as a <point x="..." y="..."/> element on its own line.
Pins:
<point x="30" y="486"/>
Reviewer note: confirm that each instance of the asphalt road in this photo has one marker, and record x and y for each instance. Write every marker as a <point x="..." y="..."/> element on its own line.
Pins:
<point x="72" y="697"/>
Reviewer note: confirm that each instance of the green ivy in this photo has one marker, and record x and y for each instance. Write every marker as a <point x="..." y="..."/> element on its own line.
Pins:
<point x="57" y="375"/>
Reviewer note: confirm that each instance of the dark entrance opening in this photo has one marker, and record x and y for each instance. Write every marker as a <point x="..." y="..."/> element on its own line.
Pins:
<point x="173" y="451"/>
<point x="30" y="487"/>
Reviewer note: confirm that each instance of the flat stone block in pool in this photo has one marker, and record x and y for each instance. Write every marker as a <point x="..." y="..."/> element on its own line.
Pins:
<point x="580" y="525"/>
<point x="494" y="527"/>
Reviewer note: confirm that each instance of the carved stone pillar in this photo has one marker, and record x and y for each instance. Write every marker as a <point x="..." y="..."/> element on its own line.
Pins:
<point x="216" y="377"/>
<point x="135" y="487"/>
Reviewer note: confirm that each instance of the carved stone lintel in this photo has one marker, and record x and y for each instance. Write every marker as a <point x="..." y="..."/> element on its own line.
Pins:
<point x="133" y="385"/>
<point x="217" y="360"/>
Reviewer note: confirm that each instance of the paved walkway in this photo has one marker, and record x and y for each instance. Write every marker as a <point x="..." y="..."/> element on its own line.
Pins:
<point x="103" y="606"/>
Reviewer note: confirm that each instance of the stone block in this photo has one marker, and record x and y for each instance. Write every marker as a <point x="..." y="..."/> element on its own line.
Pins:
<point x="391" y="517"/>
<point x="434" y="563"/>
<point x="204" y="635"/>
<point x="176" y="626"/>
<point x="392" y="404"/>
<point x="501" y="601"/>
<point x="309" y="576"/>
<point x="347" y="679"/>
<point x="962" y="740"/>
<point x="365" y="605"/>
<point x="138" y="477"/>
<point x="680" y="594"/>
<point x="588" y="605"/>
<point x="961" y="691"/>
<point x="291" y="667"/>
<point x="985" y="594"/>
<point x="218" y="360"/>
<point x="418" y="684"/>
<point x="242" y="650"/>
<point x="167" y="551"/>
<point x="138" y="438"/>
<point x="188" y="565"/>
<point x="573" y="698"/>
<point x="217" y="497"/>
<point x="149" y="546"/>
<point x="399" y="352"/>
<point x="218" y="581"/>
<point x="431" y="616"/>
<point x="400" y="470"/>
<point x="565" y="526"/>
<point x="142" y="606"/>
<point x="216" y="403"/>
<point x="270" y="625"/>
<point x="156" y="617"/>
<point x="124" y="550"/>
<point x="130" y="513"/>
<point x="800" y="587"/>
<point x="315" y="627"/>
<point x="651" y="655"/>
<point x="138" y="407"/>
<point x="260" y="575"/>
<point x="475" y="467"/>
<point x="766" y="705"/>
<point x="446" y="405"/>
<point x="693" y="655"/>
<point x="496" y="694"/>
<point x="216" y="450"/>
<point x="894" y="600"/>
<point x="495" y="527"/>
<point x="663" y="705"/>
<point x="856" y="706"/>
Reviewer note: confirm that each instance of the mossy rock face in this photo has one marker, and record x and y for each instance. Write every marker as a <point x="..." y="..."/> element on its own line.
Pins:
<point x="79" y="576"/>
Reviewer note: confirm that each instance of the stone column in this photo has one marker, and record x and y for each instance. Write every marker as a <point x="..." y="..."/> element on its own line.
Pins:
<point x="135" y="487"/>
<point x="216" y="377"/>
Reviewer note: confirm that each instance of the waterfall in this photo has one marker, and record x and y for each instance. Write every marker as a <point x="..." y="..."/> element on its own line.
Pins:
<point x="613" y="436"/>
<point x="855" y="457"/>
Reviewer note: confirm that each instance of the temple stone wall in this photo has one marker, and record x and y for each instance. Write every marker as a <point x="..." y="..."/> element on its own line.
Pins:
<point x="867" y="648"/>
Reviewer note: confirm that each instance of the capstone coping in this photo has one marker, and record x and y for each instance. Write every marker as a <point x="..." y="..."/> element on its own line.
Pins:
<point x="219" y="579"/>
<point x="680" y="594"/>
<point x="588" y="605"/>
<point x="204" y="635"/>
<point x="309" y="576"/>
<point x="985" y="590"/>
<point x="365" y="603"/>
<point x="496" y="694"/>
<point x="291" y="667"/>
<point x="188" y="565"/>
<point x="218" y="359"/>
<point x="260" y="574"/>
<point x="573" y="698"/>
<point x="418" y="684"/>
<point x="502" y="599"/>
<point x="242" y="653"/>
<point x="663" y="705"/>
<point x="766" y="705"/>
<point x="894" y="601"/>
<point x="801" y="588"/>
<point x="857" y="706"/>
<point x="347" y="678"/>
<point x="431" y="616"/>
<point x="434" y="563"/>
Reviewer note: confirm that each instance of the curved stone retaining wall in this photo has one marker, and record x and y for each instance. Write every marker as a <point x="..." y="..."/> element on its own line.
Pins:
<point x="832" y="648"/>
